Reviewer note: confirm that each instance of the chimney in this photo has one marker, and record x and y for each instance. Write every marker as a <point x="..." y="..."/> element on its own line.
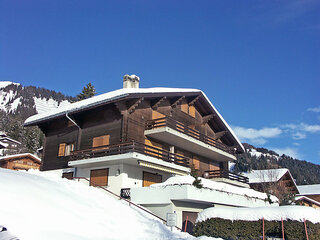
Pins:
<point x="131" y="81"/>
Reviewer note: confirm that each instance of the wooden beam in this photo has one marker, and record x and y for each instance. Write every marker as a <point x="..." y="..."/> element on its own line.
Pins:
<point x="156" y="105"/>
<point x="194" y="100"/>
<point x="135" y="105"/>
<point x="121" y="107"/>
<point x="177" y="102"/>
<point x="218" y="135"/>
<point x="206" y="119"/>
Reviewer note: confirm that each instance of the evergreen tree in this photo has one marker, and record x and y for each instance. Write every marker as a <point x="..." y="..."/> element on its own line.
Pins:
<point x="87" y="92"/>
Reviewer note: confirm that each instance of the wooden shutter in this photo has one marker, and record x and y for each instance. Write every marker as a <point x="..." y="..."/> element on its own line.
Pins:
<point x="62" y="148"/>
<point x="196" y="162"/>
<point x="150" y="178"/>
<point x="99" y="177"/>
<point x="192" y="111"/>
<point x="156" y="115"/>
<point x="184" y="107"/>
<point x="100" y="141"/>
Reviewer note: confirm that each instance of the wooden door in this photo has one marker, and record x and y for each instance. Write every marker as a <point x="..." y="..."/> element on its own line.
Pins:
<point x="99" y="177"/>
<point x="150" y="178"/>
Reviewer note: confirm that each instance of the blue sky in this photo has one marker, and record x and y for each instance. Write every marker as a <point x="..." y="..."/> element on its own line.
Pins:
<point x="258" y="61"/>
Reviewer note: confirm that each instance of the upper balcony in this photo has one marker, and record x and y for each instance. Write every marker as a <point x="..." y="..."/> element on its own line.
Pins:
<point x="178" y="134"/>
<point x="132" y="153"/>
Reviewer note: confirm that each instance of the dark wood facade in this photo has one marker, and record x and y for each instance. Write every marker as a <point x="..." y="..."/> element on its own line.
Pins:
<point x="125" y="120"/>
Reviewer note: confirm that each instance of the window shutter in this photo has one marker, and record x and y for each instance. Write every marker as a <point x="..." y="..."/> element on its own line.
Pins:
<point x="62" y="148"/>
<point x="184" y="107"/>
<point x="192" y="111"/>
<point x="101" y="141"/>
<point x="196" y="162"/>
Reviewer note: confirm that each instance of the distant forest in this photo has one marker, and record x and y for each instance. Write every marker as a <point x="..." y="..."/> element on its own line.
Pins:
<point x="302" y="171"/>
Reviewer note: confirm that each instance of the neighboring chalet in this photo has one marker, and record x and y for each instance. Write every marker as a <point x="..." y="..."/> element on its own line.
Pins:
<point x="23" y="161"/>
<point x="134" y="137"/>
<point x="261" y="180"/>
<point x="311" y="191"/>
<point x="305" y="201"/>
<point x="8" y="145"/>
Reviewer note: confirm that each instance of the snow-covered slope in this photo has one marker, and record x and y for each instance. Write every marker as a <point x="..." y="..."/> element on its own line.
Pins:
<point x="15" y="98"/>
<point x="37" y="206"/>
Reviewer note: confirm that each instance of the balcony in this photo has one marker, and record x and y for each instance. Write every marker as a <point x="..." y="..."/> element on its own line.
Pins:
<point x="178" y="134"/>
<point x="133" y="153"/>
<point x="220" y="174"/>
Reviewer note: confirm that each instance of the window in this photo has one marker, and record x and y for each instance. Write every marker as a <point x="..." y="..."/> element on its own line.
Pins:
<point x="68" y="175"/>
<point x="100" y="141"/>
<point x="65" y="149"/>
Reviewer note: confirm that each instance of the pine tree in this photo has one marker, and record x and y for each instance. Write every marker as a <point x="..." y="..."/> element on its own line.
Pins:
<point x="87" y="92"/>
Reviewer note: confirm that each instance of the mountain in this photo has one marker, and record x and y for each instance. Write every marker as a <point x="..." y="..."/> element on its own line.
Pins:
<point x="26" y="101"/>
<point x="18" y="103"/>
<point x="261" y="158"/>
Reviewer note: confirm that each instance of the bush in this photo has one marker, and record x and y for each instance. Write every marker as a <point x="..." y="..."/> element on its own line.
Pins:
<point x="252" y="230"/>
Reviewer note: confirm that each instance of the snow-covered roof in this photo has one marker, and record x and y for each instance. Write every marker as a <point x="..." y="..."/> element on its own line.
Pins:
<point x="267" y="175"/>
<point x="218" y="186"/>
<point x="20" y="155"/>
<point x="295" y="213"/>
<point x="118" y="94"/>
<point x="312" y="189"/>
<point x="7" y="139"/>
<point x="299" y="198"/>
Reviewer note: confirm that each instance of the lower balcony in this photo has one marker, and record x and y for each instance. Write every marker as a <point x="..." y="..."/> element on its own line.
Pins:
<point x="132" y="153"/>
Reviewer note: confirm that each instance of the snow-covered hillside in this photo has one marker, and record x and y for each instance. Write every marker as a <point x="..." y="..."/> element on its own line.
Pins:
<point x="37" y="206"/>
<point x="15" y="98"/>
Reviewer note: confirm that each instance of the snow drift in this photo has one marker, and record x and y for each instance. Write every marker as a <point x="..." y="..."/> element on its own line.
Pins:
<point x="37" y="206"/>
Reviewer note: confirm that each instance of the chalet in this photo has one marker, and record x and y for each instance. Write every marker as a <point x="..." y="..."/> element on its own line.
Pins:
<point x="305" y="201"/>
<point x="23" y="161"/>
<point x="134" y="137"/>
<point x="8" y="145"/>
<point x="262" y="179"/>
<point x="311" y="191"/>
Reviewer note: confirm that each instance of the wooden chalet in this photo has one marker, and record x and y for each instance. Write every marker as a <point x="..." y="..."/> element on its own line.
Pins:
<point x="134" y="137"/>
<point x="305" y="201"/>
<point x="8" y="145"/>
<point x="260" y="180"/>
<point x="23" y="161"/>
<point x="311" y="191"/>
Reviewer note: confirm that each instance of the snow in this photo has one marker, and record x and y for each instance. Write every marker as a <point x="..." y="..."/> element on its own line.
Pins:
<point x="218" y="186"/>
<point x="3" y="84"/>
<point x="312" y="189"/>
<point x="254" y="152"/>
<point x="308" y="199"/>
<point x="14" y="105"/>
<point x="20" y="155"/>
<point x="267" y="175"/>
<point x="40" y="205"/>
<point x="297" y="213"/>
<point x="117" y="94"/>
<point x="44" y="105"/>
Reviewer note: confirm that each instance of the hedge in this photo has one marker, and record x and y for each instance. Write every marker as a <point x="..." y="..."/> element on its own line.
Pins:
<point x="252" y="230"/>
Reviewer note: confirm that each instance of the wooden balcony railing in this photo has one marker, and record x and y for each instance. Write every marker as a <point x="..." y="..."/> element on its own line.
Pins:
<point x="128" y="147"/>
<point x="226" y="174"/>
<point x="180" y="127"/>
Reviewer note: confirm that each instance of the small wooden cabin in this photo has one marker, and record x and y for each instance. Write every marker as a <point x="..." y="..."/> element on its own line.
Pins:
<point x="23" y="161"/>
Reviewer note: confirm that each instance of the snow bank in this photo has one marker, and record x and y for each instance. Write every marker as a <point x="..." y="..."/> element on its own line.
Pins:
<point x="37" y="206"/>
<point x="218" y="186"/>
<point x="297" y="213"/>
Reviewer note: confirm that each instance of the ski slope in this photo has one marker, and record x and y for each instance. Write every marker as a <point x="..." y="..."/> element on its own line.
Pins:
<point x="37" y="205"/>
